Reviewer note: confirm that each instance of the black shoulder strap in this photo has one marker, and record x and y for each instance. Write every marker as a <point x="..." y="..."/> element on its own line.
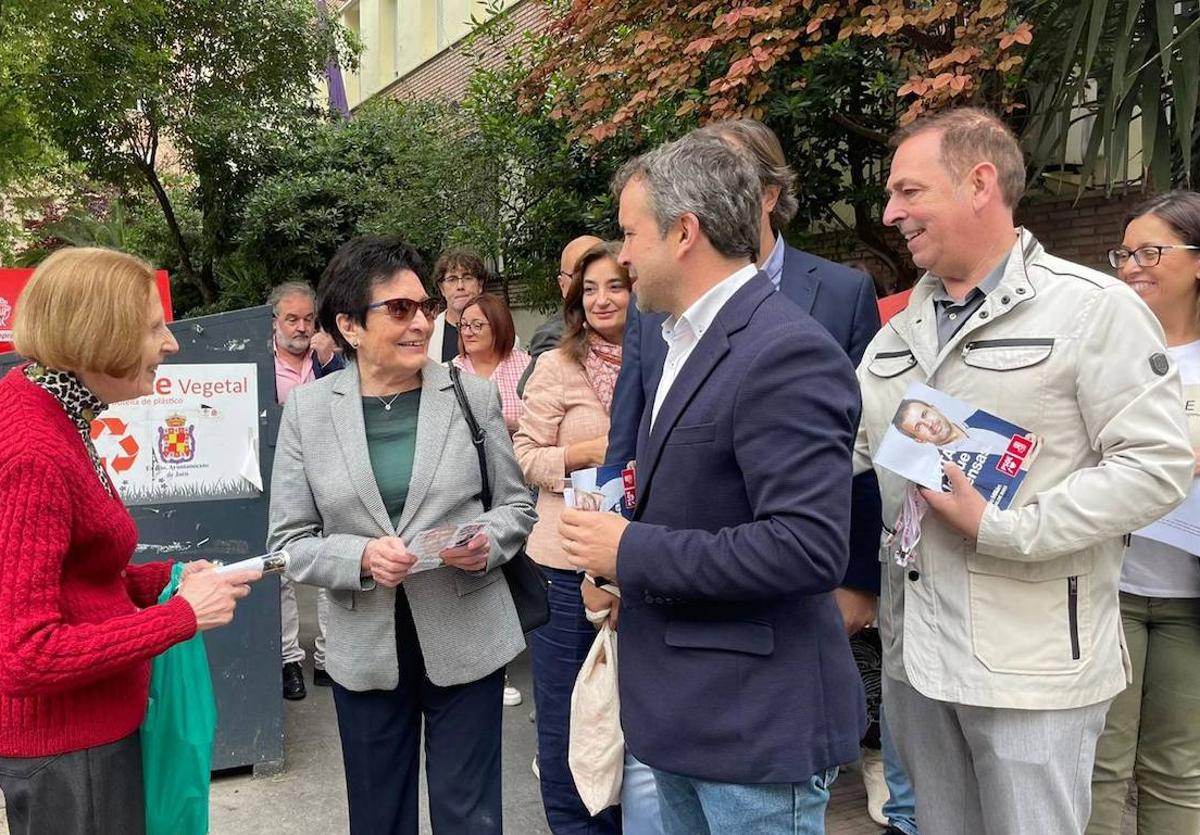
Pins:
<point x="477" y="437"/>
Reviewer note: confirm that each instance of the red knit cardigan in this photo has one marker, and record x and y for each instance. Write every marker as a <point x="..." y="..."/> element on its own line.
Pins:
<point x="78" y="623"/>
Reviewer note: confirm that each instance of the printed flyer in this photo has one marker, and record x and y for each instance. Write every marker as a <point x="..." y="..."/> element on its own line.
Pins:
<point x="609" y="488"/>
<point x="931" y="427"/>
<point x="194" y="439"/>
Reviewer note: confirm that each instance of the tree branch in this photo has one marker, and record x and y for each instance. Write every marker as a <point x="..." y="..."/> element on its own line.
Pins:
<point x="859" y="130"/>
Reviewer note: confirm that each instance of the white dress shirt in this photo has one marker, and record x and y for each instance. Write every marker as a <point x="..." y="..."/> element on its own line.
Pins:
<point x="681" y="334"/>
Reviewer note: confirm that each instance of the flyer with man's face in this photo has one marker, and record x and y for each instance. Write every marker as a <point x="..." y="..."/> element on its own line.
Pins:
<point x="931" y="427"/>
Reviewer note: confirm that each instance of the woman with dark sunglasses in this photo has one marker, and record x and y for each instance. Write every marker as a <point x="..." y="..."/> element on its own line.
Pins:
<point x="1151" y="735"/>
<point x="369" y="461"/>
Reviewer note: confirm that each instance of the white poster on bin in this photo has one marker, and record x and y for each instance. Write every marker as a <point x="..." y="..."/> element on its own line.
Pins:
<point x="194" y="439"/>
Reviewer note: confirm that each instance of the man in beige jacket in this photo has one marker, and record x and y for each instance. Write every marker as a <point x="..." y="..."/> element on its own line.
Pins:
<point x="1002" y="640"/>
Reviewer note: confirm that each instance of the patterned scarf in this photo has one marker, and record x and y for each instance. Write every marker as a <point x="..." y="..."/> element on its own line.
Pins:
<point x="602" y="365"/>
<point x="81" y="406"/>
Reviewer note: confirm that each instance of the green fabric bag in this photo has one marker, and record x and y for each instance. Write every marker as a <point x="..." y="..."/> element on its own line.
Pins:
<point x="177" y="735"/>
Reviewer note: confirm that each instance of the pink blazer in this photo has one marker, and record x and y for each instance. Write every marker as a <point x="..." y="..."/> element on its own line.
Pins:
<point x="560" y="409"/>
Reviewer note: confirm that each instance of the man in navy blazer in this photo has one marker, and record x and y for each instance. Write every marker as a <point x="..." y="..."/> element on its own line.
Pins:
<point x="841" y="299"/>
<point x="737" y="683"/>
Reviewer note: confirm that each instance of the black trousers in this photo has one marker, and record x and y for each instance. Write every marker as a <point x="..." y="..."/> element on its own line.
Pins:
<point x="96" y="791"/>
<point x="381" y="733"/>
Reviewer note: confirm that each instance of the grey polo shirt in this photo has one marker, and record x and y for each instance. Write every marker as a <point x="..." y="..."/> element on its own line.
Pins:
<point x="952" y="314"/>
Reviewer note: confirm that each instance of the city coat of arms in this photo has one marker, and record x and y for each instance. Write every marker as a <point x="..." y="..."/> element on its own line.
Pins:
<point x="176" y="441"/>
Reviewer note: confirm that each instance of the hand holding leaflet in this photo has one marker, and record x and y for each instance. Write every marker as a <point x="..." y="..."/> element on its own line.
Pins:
<point x="949" y="447"/>
<point x="428" y="545"/>
<point x="931" y="427"/>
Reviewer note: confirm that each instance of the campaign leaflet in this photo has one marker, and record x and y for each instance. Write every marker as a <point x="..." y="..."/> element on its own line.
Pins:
<point x="609" y="488"/>
<point x="931" y="427"/>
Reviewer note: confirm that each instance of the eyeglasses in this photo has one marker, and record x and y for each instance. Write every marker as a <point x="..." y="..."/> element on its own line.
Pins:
<point x="1143" y="256"/>
<point x="404" y="309"/>
<point x="475" y="326"/>
<point x="460" y="280"/>
<point x="563" y="274"/>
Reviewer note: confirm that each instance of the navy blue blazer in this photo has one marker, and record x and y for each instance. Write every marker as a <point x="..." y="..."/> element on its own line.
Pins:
<point x="336" y="363"/>
<point x="734" y="661"/>
<point x="843" y="301"/>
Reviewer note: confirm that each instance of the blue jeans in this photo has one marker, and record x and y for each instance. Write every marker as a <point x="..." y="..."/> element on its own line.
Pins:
<point x="901" y="808"/>
<point x="556" y="652"/>
<point x="702" y="807"/>
<point x="639" y="799"/>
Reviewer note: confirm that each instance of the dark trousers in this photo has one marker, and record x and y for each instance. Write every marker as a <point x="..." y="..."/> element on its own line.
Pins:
<point x="96" y="791"/>
<point x="557" y="651"/>
<point x="381" y="734"/>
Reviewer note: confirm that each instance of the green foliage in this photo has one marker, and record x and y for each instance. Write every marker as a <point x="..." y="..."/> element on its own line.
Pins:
<point x="1115" y="61"/>
<point x="544" y="187"/>
<point x="213" y="88"/>
<point x="409" y="169"/>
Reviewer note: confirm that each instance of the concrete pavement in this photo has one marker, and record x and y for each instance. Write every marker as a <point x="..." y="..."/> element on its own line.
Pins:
<point x="308" y="797"/>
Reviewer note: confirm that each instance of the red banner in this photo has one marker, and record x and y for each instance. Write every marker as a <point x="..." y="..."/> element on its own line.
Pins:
<point x="12" y="282"/>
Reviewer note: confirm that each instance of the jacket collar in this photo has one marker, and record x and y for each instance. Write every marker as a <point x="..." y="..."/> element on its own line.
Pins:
<point x="917" y="324"/>
<point x="799" y="280"/>
<point x="712" y="347"/>
<point x="433" y="423"/>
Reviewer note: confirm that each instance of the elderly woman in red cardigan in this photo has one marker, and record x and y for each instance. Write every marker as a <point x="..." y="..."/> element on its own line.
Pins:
<point x="78" y="623"/>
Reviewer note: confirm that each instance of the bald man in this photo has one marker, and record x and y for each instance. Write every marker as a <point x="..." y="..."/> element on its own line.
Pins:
<point x="546" y="337"/>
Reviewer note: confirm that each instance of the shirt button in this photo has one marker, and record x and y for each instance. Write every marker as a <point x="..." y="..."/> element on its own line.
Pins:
<point x="914" y="575"/>
<point x="123" y="574"/>
<point x="953" y="316"/>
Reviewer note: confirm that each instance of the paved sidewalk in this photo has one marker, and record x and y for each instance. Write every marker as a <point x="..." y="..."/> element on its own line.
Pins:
<point x="309" y="798"/>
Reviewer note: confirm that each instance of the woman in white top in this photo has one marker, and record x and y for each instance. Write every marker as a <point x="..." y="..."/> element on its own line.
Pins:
<point x="1152" y="733"/>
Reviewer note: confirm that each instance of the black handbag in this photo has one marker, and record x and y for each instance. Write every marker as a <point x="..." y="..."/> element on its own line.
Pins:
<point x="526" y="583"/>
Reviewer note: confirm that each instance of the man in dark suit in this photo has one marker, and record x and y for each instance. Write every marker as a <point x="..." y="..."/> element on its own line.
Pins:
<point x="841" y="299"/>
<point x="737" y="684"/>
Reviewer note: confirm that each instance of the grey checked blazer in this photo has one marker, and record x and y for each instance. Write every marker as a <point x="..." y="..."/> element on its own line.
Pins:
<point x="325" y="507"/>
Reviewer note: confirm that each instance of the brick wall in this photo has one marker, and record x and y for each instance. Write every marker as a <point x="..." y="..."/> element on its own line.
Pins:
<point x="1080" y="232"/>
<point x="445" y="75"/>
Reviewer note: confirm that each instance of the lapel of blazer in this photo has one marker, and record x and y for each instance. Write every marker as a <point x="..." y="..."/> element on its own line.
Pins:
<point x="433" y="425"/>
<point x="345" y="408"/>
<point x="709" y="351"/>
<point x="797" y="280"/>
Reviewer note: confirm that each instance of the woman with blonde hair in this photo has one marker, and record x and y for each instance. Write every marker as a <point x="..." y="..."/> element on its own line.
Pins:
<point x="78" y="622"/>
<point x="565" y="427"/>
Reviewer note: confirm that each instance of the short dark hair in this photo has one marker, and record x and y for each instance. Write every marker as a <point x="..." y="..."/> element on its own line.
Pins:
<point x="898" y="418"/>
<point x="574" y="338"/>
<point x="1178" y="209"/>
<point x="700" y="174"/>
<point x="499" y="318"/>
<point x="468" y="260"/>
<point x="357" y="266"/>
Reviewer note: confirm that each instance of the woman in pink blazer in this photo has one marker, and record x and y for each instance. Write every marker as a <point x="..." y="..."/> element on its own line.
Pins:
<point x="565" y="428"/>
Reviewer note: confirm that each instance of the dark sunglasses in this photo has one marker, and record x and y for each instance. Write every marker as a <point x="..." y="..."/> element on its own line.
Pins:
<point x="405" y="309"/>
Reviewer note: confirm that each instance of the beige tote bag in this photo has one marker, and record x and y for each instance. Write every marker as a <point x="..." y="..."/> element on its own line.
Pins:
<point x="596" y="752"/>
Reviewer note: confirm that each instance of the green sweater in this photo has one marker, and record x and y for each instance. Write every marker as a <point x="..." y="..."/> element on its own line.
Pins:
<point x="391" y="444"/>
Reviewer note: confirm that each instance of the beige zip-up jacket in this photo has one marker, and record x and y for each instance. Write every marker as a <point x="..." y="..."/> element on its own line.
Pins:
<point x="1028" y="617"/>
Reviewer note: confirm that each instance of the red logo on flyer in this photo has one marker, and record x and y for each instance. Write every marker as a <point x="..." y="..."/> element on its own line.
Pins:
<point x="1020" y="446"/>
<point x="1009" y="464"/>
<point x="629" y="480"/>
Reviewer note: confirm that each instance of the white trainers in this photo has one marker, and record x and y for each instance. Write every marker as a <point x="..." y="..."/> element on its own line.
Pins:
<point x="512" y="696"/>
<point x="876" y="785"/>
